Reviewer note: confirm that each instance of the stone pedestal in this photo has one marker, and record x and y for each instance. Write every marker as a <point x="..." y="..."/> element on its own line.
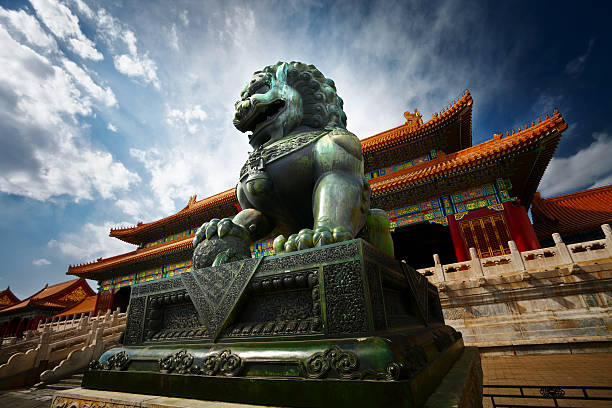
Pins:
<point x="342" y="325"/>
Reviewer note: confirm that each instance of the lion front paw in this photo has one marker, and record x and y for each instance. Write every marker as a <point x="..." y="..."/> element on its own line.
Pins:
<point x="307" y="238"/>
<point x="220" y="241"/>
<point x="220" y="228"/>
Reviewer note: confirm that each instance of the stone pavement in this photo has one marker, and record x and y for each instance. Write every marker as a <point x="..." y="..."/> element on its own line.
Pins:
<point x="552" y="370"/>
<point x="27" y="398"/>
<point x="549" y="369"/>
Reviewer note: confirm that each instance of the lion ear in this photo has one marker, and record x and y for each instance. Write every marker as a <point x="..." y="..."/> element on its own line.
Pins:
<point x="281" y="72"/>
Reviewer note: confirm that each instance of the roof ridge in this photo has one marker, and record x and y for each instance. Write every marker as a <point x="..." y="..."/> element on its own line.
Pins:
<point x="194" y="206"/>
<point x="407" y="127"/>
<point x="497" y="142"/>
<point x="142" y="254"/>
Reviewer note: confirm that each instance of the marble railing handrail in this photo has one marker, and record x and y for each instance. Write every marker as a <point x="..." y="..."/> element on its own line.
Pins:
<point x="556" y="256"/>
<point x="83" y="325"/>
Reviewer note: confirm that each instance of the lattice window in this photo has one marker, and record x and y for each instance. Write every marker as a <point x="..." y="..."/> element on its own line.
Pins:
<point x="489" y="235"/>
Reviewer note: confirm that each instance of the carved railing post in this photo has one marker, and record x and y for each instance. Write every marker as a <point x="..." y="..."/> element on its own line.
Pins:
<point x="92" y="332"/>
<point x="43" y="347"/>
<point x="115" y="317"/>
<point x="566" y="256"/>
<point x="98" y="343"/>
<point x="608" y="235"/>
<point x="107" y="317"/>
<point x="83" y="322"/>
<point x="517" y="258"/>
<point x="475" y="263"/>
<point x="439" y="271"/>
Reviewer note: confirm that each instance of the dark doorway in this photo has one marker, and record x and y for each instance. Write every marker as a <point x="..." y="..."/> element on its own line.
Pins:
<point x="121" y="299"/>
<point x="417" y="243"/>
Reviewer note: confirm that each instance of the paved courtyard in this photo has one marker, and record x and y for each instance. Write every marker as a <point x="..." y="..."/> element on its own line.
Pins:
<point x="552" y="370"/>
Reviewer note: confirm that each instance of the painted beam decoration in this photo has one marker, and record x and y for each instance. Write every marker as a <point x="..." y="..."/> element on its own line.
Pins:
<point x="486" y="196"/>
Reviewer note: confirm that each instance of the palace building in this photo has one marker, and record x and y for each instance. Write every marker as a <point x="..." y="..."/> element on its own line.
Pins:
<point x="17" y="316"/>
<point x="442" y="194"/>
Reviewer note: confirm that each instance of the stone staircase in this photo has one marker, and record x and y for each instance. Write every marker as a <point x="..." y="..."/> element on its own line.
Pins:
<point x="73" y="381"/>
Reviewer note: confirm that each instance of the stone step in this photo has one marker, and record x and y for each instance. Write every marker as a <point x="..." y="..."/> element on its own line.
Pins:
<point x="71" y="381"/>
<point x="59" y="386"/>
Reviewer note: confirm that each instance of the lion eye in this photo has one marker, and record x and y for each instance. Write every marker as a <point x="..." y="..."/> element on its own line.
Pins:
<point x="262" y="89"/>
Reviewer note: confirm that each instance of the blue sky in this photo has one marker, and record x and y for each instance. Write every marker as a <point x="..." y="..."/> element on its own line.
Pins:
<point x="114" y="112"/>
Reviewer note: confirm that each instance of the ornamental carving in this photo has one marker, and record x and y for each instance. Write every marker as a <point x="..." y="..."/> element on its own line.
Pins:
<point x="552" y="392"/>
<point x="179" y="362"/>
<point x="74" y="296"/>
<point x="345" y="365"/>
<point x="225" y="363"/>
<point x="5" y="300"/>
<point x="117" y="362"/>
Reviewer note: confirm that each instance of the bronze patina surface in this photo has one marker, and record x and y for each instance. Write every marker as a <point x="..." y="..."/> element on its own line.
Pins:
<point x="303" y="183"/>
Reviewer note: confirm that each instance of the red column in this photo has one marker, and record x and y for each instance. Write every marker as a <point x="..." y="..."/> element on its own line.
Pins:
<point x="521" y="229"/>
<point x="527" y="227"/>
<point x="19" y="329"/>
<point x="32" y="324"/>
<point x="461" y="250"/>
<point x="13" y="326"/>
<point x="7" y="329"/>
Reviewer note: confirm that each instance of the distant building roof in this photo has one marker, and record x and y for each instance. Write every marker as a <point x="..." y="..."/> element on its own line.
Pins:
<point x="149" y="231"/>
<point x="87" y="305"/>
<point x="7" y="298"/>
<point x="574" y="212"/>
<point x="60" y="295"/>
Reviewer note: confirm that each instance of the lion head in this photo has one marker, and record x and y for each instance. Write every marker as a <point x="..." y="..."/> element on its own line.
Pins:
<point x="284" y="98"/>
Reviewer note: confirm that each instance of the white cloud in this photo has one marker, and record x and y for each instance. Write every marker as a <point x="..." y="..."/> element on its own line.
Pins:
<point x="91" y="242"/>
<point x="84" y="80"/>
<point x="606" y="181"/>
<point x="140" y="209"/>
<point x="589" y="167"/>
<point x="191" y="167"/>
<point x="83" y="8"/>
<point x="111" y="127"/>
<point x="239" y="22"/>
<point x="173" y="38"/>
<point x="137" y="67"/>
<point x="28" y="25"/>
<point x="41" y="262"/>
<point x="109" y="27"/>
<point x="65" y="25"/>
<point x="133" y="64"/>
<point x="189" y="118"/>
<point x="42" y="151"/>
<point x="575" y="67"/>
<point x="546" y="103"/>
<point x="183" y="15"/>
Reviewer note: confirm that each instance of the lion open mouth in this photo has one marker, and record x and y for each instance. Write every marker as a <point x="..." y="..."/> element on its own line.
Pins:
<point x="260" y="116"/>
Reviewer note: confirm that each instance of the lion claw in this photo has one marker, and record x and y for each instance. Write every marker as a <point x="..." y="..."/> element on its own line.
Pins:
<point x="307" y="238"/>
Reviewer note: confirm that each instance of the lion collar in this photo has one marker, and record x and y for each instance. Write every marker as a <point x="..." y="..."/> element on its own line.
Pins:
<point x="281" y="148"/>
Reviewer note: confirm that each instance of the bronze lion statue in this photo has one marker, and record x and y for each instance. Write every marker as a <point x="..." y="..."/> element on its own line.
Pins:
<point x="303" y="183"/>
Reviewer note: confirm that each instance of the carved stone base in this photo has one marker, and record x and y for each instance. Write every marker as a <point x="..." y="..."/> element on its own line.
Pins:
<point x="341" y="325"/>
<point x="461" y="387"/>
